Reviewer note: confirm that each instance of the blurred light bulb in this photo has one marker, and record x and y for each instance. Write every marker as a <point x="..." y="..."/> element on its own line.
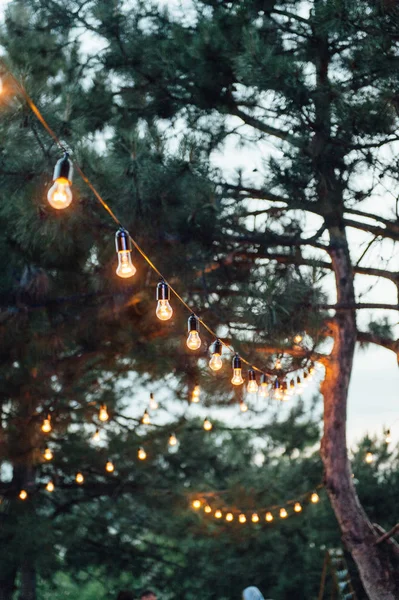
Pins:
<point x="278" y="390"/>
<point x="216" y="362"/>
<point x="50" y="486"/>
<point x="229" y="517"/>
<point x="218" y="514"/>
<point x="242" y="518"/>
<point x="164" y="310"/>
<point x="109" y="467"/>
<point x="269" y="517"/>
<point x="195" y="395"/>
<point x="299" y="382"/>
<point x="123" y="245"/>
<point x="103" y="413"/>
<point x="388" y="437"/>
<point x="264" y="388"/>
<point x="314" y="498"/>
<point x="255" y="518"/>
<point x="47" y="454"/>
<point x="196" y="504"/>
<point x="283" y="513"/>
<point x="252" y="386"/>
<point x="145" y="419"/>
<point x="369" y="458"/>
<point x="243" y="406"/>
<point x="292" y="387"/>
<point x="153" y="403"/>
<point x="193" y="340"/>
<point x="312" y="369"/>
<point x="297" y="507"/>
<point x="79" y="478"/>
<point x="23" y="494"/>
<point x="237" y="371"/>
<point x="96" y="436"/>
<point x="142" y="454"/>
<point x="277" y="364"/>
<point x="46" y="426"/>
<point x="207" y="509"/>
<point x="172" y="440"/>
<point x="207" y="425"/>
<point x="298" y="338"/>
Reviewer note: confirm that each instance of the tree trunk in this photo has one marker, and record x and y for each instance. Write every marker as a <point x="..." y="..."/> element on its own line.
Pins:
<point x="376" y="572"/>
<point x="7" y="584"/>
<point x="28" y="581"/>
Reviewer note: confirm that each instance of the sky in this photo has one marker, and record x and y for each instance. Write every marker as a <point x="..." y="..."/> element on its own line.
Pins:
<point x="374" y="390"/>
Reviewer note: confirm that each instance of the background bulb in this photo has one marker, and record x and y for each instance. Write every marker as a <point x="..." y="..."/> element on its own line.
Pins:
<point x="216" y="362"/>
<point x="164" y="310"/>
<point x="252" y="387"/>
<point x="193" y="340"/>
<point x="125" y="266"/>
<point x="60" y="195"/>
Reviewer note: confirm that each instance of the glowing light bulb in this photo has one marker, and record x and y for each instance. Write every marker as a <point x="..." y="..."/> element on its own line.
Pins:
<point x="264" y="387"/>
<point x="172" y="440"/>
<point x="229" y="517"/>
<point x="193" y="340"/>
<point x="195" y="395"/>
<point x="145" y="419"/>
<point x="283" y="513"/>
<point x="299" y="382"/>
<point x="243" y="406"/>
<point x="164" y="310"/>
<point x="23" y="494"/>
<point x="79" y="478"/>
<point x="269" y="517"/>
<point x="278" y="390"/>
<point x="312" y="369"/>
<point x="142" y="454"/>
<point x="153" y="403"/>
<point x="277" y="364"/>
<point x="292" y="387"/>
<point x="242" y="518"/>
<point x="216" y="362"/>
<point x="109" y="467"/>
<point x="314" y="498"/>
<point x="124" y="250"/>
<point x="252" y="386"/>
<point x="237" y="371"/>
<point x="96" y="436"/>
<point x="103" y="413"/>
<point x="218" y="514"/>
<point x="46" y="426"/>
<point x="207" y="425"/>
<point x="207" y="509"/>
<point x="50" y="486"/>
<point x="196" y="504"/>
<point x="298" y="338"/>
<point x="369" y="458"/>
<point x="298" y="507"/>
<point x="47" y="454"/>
<point x="388" y="437"/>
<point x="59" y="195"/>
<point x="255" y="518"/>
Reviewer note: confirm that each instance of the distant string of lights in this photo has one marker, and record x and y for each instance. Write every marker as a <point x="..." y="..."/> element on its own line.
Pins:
<point x="60" y="197"/>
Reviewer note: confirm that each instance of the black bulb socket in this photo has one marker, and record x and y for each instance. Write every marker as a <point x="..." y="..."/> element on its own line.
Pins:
<point x="217" y="347"/>
<point x="263" y="379"/>
<point x="298" y="380"/>
<point x="251" y="375"/>
<point x="122" y="241"/>
<point x="277" y="384"/>
<point x="63" y="169"/>
<point x="237" y="362"/>
<point x="193" y="323"/>
<point x="163" y="291"/>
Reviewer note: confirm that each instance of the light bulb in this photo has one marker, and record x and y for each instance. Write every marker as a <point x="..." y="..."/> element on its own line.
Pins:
<point x="252" y="386"/>
<point x="298" y="338"/>
<point x="142" y="454"/>
<point x="207" y="509"/>
<point x="269" y="517"/>
<point x="218" y="514"/>
<point x="103" y="413"/>
<point x="124" y="250"/>
<point x="297" y="507"/>
<point x="243" y="406"/>
<point x="79" y="478"/>
<point x="255" y="518"/>
<point x="172" y="440"/>
<point x="59" y="195"/>
<point x="46" y="426"/>
<point x="237" y="371"/>
<point x="145" y="419"/>
<point x="196" y="504"/>
<point x="153" y="403"/>
<point x="292" y="388"/>
<point x="109" y="467"/>
<point x="47" y="454"/>
<point x="264" y="388"/>
<point x="96" y="436"/>
<point x="164" y="310"/>
<point x="299" y="382"/>
<point x="50" y="486"/>
<point x="312" y="369"/>
<point x="277" y="364"/>
<point x="388" y="437"/>
<point x="278" y="391"/>
<point x="216" y="362"/>
<point x="314" y="498"/>
<point x="193" y="340"/>
<point x="369" y="458"/>
<point x="229" y="517"/>
<point x="242" y="518"/>
<point x="195" y="395"/>
<point x="207" y="425"/>
<point x="283" y="513"/>
<point x="23" y="494"/>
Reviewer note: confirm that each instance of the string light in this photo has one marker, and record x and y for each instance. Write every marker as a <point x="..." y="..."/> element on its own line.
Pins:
<point x="277" y="365"/>
<point x="388" y="437"/>
<point x="145" y="419"/>
<point x="79" y="478"/>
<point x="283" y="513"/>
<point x="164" y="310"/>
<point x="207" y="425"/>
<point x="369" y="458"/>
<point x="255" y="518"/>
<point x="243" y="406"/>
<point x="207" y="509"/>
<point x="252" y="386"/>
<point x="50" y="486"/>
<point x="109" y="467"/>
<point x="229" y="517"/>
<point x="47" y="454"/>
<point x="297" y="507"/>
<point x="314" y="498"/>
<point x="298" y="338"/>
<point x="141" y="453"/>
<point x="269" y="517"/>
<point x="103" y="413"/>
<point x="278" y="391"/>
<point x="153" y="403"/>
<point x="96" y="436"/>
<point x="218" y="514"/>
<point x="242" y="518"/>
<point x="60" y="195"/>
<point x="237" y="371"/>
<point x="264" y="386"/>
<point x="196" y="504"/>
<point x="216" y="362"/>
<point x="193" y="340"/>
<point x="195" y="395"/>
<point x="172" y="440"/>
<point x="123" y="246"/>
<point x="23" y="494"/>
<point x="46" y="426"/>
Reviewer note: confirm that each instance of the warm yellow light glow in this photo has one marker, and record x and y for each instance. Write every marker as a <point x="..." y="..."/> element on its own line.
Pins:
<point x="125" y="266"/>
<point x="207" y="425"/>
<point x="297" y="507"/>
<point x="388" y="437"/>
<point x="237" y="377"/>
<point x="164" y="310"/>
<point x="369" y="458"/>
<point x="50" y="486"/>
<point x="278" y="393"/>
<point x="23" y="494"/>
<point x="277" y="364"/>
<point x="109" y="467"/>
<point x="59" y="195"/>
<point x="172" y="440"/>
<point x="153" y="403"/>
<point x="216" y="362"/>
<point x="242" y="518"/>
<point x="264" y="390"/>
<point x="193" y="340"/>
<point x="195" y="395"/>
<point x="243" y="407"/>
<point x="96" y="436"/>
<point x="218" y="514"/>
<point x="229" y="517"/>
<point x="252" y="387"/>
<point x="314" y="498"/>
<point x="46" y="426"/>
<point x="79" y="478"/>
<point x="269" y="517"/>
<point x="298" y="338"/>
<point x="145" y="419"/>
<point x="283" y="513"/>
<point x="255" y="518"/>
<point x="47" y="454"/>
<point x="103" y="413"/>
<point x="196" y="504"/>
<point x="207" y="509"/>
<point x="142" y="454"/>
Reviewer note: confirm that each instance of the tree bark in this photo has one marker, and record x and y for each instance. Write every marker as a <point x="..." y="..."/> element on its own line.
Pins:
<point x="28" y="581"/>
<point x="7" y="584"/>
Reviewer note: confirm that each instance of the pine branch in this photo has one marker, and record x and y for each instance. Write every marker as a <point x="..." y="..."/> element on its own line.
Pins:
<point x="260" y="126"/>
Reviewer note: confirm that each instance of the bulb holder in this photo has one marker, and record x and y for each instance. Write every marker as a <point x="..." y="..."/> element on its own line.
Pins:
<point x="298" y="380"/>
<point x="277" y="384"/>
<point x="263" y="379"/>
<point x="285" y="386"/>
<point x="122" y="241"/>
<point x="193" y="323"/>
<point x="237" y="362"/>
<point x="251" y="375"/>
<point x="63" y="169"/>
<point x="163" y="291"/>
<point x="217" y="347"/>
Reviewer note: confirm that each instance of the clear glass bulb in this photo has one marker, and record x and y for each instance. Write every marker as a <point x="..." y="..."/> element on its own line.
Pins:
<point x="50" y="486"/>
<point x="297" y="507"/>
<point x="216" y="362"/>
<point x="252" y="387"/>
<point x="269" y="517"/>
<point x="172" y="440"/>
<point x="196" y="504"/>
<point x="283" y="513"/>
<point x="59" y="195"/>
<point x="207" y="509"/>
<point x="125" y="266"/>
<point x="193" y="340"/>
<point x="388" y="437"/>
<point x="243" y="407"/>
<point x="237" y="377"/>
<point x="96" y="436"/>
<point x="46" y="427"/>
<point x="153" y="403"/>
<point x="47" y="455"/>
<point x="146" y="419"/>
<point x="79" y="478"/>
<point x="255" y="518"/>
<point x="229" y="517"/>
<point x="218" y="514"/>
<point x="263" y="392"/>
<point x="103" y="414"/>
<point x="23" y="495"/>
<point x="195" y="396"/>
<point x="142" y="454"/>
<point x="369" y="458"/>
<point x="278" y="393"/>
<point x="242" y="518"/>
<point x="314" y="498"/>
<point x="109" y="467"/>
<point x="207" y="425"/>
<point x="164" y="310"/>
